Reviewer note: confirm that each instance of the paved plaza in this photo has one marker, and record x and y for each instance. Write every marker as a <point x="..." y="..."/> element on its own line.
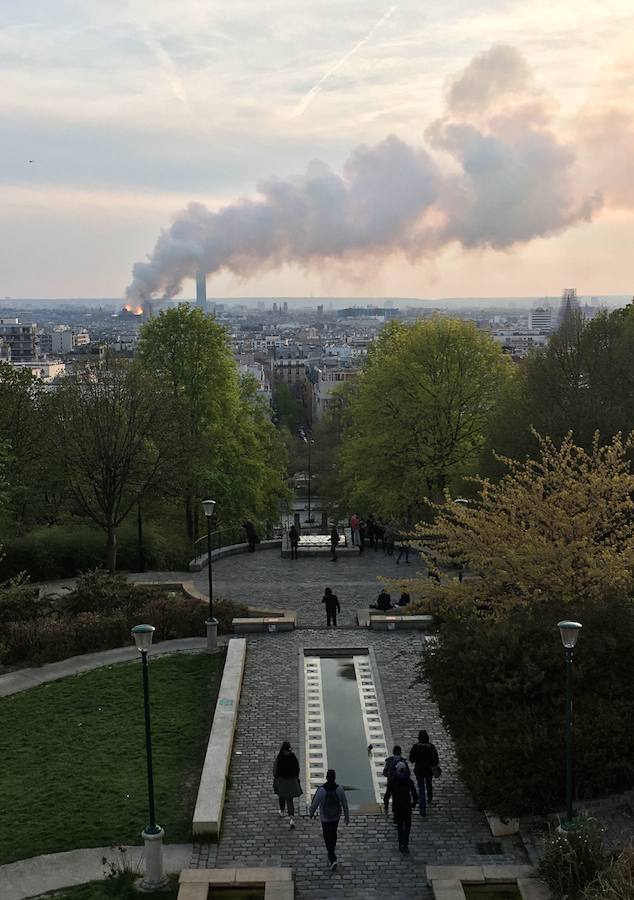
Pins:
<point x="265" y="579"/>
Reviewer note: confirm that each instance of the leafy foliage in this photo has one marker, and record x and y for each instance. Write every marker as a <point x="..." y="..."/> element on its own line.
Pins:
<point x="573" y="858"/>
<point x="419" y="414"/>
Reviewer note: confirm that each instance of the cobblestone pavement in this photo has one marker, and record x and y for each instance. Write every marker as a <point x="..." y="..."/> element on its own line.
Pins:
<point x="265" y="579"/>
<point x="370" y="865"/>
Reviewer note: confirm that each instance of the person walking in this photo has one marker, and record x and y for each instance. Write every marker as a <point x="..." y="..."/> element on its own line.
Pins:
<point x="330" y="799"/>
<point x="332" y="607"/>
<point x="424" y="756"/>
<point x="334" y="540"/>
<point x="404" y="546"/>
<point x="369" y="529"/>
<point x="361" y="535"/>
<point x="389" y="769"/>
<point x="286" y="781"/>
<point x="293" y="537"/>
<point x="252" y="538"/>
<point x="404" y="798"/>
<point x="354" y="529"/>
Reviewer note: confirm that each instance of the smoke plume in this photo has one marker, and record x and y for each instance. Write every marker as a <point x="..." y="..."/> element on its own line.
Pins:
<point x="493" y="174"/>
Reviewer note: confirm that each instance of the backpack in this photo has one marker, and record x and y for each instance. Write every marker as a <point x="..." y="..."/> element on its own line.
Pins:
<point x="389" y="770"/>
<point x="331" y="807"/>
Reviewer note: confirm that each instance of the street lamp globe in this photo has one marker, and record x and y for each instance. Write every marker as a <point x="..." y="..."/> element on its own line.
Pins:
<point x="569" y="632"/>
<point x="142" y="635"/>
<point x="208" y="507"/>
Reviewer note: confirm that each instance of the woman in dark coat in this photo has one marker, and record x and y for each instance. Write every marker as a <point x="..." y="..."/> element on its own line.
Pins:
<point x="332" y="606"/>
<point x="286" y="781"/>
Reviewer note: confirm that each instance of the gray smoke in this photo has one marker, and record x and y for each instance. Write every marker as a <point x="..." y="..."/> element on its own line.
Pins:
<point x="499" y="176"/>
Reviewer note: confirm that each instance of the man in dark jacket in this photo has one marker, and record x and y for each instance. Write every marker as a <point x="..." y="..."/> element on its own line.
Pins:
<point x="404" y="798"/>
<point x="293" y="538"/>
<point x="332" y="607"/>
<point x="252" y="537"/>
<point x="384" y="601"/>
<point x="424" y="756"/>
<point x="334" y="540"/>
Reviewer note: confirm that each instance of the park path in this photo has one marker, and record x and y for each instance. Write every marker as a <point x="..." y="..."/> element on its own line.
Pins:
<point x="370" y="868"/>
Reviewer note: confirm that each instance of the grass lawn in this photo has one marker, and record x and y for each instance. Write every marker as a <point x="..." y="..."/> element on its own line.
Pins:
<point x="72" y="755"/>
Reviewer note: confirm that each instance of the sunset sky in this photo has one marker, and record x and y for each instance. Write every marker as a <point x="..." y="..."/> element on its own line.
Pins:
<point x="116" y="114"/>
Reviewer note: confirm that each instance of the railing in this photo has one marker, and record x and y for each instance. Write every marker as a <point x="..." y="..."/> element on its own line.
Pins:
<point x="225" y="537"/>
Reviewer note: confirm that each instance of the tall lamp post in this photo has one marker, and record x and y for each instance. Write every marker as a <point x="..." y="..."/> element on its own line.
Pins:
<point x="569" y="632"/>
<point x="308" y="440"/>
<point x="154" y="878"/>
<point x="211" y="623"/>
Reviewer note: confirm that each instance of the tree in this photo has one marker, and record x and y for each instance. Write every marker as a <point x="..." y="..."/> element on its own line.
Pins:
<point x="419" y="414"/>
<point x="232" y="452"/>
<point x="582" y="381"/>
<point x="558" y="529"/>
<point x="109" y="425"/>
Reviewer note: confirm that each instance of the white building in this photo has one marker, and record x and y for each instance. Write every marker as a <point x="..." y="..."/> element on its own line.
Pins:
<point x="257" y="371"/>
<point x="46" y="370"/>
<point x="540" y="319"/>
<point x="328" y="379"/>
<point x="518" y="343"/>
<point x="65" y="339"/>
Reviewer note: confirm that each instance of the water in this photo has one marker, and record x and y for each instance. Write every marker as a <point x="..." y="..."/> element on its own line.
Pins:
<point x="346" y="743"/>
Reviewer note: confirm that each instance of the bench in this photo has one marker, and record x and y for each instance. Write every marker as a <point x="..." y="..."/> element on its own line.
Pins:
<point x="394" y="622"/>
<point x="256" y="624"/>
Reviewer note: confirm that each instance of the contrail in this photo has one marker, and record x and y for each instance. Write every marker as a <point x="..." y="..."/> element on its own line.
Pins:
<point x="307" y="99"/>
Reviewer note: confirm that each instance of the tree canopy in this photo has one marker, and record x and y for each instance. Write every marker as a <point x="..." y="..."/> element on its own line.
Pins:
<point x="419" y="413"/>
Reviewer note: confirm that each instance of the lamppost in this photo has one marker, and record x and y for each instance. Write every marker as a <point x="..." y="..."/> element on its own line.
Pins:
<point x="569" y="632"/>
<point x="308" y="440"/>
<point x="154" y="878"/>
<point x="212" y="624"/>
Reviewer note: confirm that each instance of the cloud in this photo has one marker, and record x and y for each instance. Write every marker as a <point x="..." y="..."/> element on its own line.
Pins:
<point x="496" y="75"/>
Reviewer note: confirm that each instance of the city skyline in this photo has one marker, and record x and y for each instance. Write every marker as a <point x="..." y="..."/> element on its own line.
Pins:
<point x="120" y="116"/>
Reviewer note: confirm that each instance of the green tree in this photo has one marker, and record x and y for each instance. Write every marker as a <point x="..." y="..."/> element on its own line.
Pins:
<point x="582" y="381"/>
<point x="419" y="414"/>
<point x="231" y="450"/>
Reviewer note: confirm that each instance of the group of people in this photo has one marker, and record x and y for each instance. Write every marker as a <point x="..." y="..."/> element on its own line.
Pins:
<point x="384" y="601"/>
<point x="378" y="534"/>
<point x="330" y="798"/>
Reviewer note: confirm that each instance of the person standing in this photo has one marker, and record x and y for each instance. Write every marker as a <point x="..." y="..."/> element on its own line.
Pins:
<point x="361" y="535"/>
<point x="332" y="607"/>
<point x="389" y="540"/>
<point x="334" y="540"/>
<point x="369" y="529"/>
<point x="293" y="537"/>
<point x="286" y="781"/>
<point x="404" y="798"/>
<point x="330" y="799"/>
<point x="354" y="529"/>
<point x="424" y="756"/>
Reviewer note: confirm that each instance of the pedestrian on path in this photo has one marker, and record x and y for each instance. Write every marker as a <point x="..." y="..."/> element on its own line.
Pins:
<point x="361" y="535"/>
<point x="331" y="801"/>
<point x="390" y="536"/>
<point x="389" y="769"/>
<point x="286" y="781"/>
<point x="425" y="757"/>
<point x="252" y="538"/>
<point x="354" y="529"/>
<point x="370" y="525"/>
<point x="334" y="540"/>
<point x="404" y="546"/>
<point x="404" y="799"/>
<point x="332" y="607"/>
<point x="293" y="537"/>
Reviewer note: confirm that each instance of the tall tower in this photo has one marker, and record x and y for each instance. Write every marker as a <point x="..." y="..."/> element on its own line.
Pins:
<point x="569" y="304"/>
<point x="201" y="289"/>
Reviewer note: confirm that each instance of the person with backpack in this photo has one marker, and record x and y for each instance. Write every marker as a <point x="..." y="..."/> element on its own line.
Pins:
<point x="404" y="799"/>
<point x="332" y="607"/>
<point x="334" y="540"/>
<point x="286" y="781"/>
<point x="330" y="799"/>
<point x="293" y="537"/>
<point x="425" y="758"/>
<point x="389" y="769"/>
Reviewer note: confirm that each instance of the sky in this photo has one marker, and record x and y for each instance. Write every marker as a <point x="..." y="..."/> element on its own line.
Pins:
<point x="496" y="139"/>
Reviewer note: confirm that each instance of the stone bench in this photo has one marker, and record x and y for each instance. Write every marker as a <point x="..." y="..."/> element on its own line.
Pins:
<point x="394" y="622"/>
<point x="199" y="884"/>
<point x="255" y="624"/>
<point x="213" y="779"/>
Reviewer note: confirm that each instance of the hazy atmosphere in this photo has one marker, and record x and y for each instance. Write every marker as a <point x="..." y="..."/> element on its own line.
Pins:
<point x="445" y="150"/>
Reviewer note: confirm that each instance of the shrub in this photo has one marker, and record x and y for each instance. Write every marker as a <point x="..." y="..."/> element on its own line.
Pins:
<point x="500" y="689"/>
<point x="616" y="882"/>
<point x="20" y="602"/>
<point x="573" y="858"/>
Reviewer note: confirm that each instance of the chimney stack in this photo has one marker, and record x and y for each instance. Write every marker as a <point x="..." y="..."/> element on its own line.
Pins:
<point x="201" y="290"/>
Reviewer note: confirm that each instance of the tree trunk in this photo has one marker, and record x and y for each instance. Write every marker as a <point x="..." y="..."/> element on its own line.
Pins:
<point x="111" y="549"/>
<point x="189" y="517"/>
